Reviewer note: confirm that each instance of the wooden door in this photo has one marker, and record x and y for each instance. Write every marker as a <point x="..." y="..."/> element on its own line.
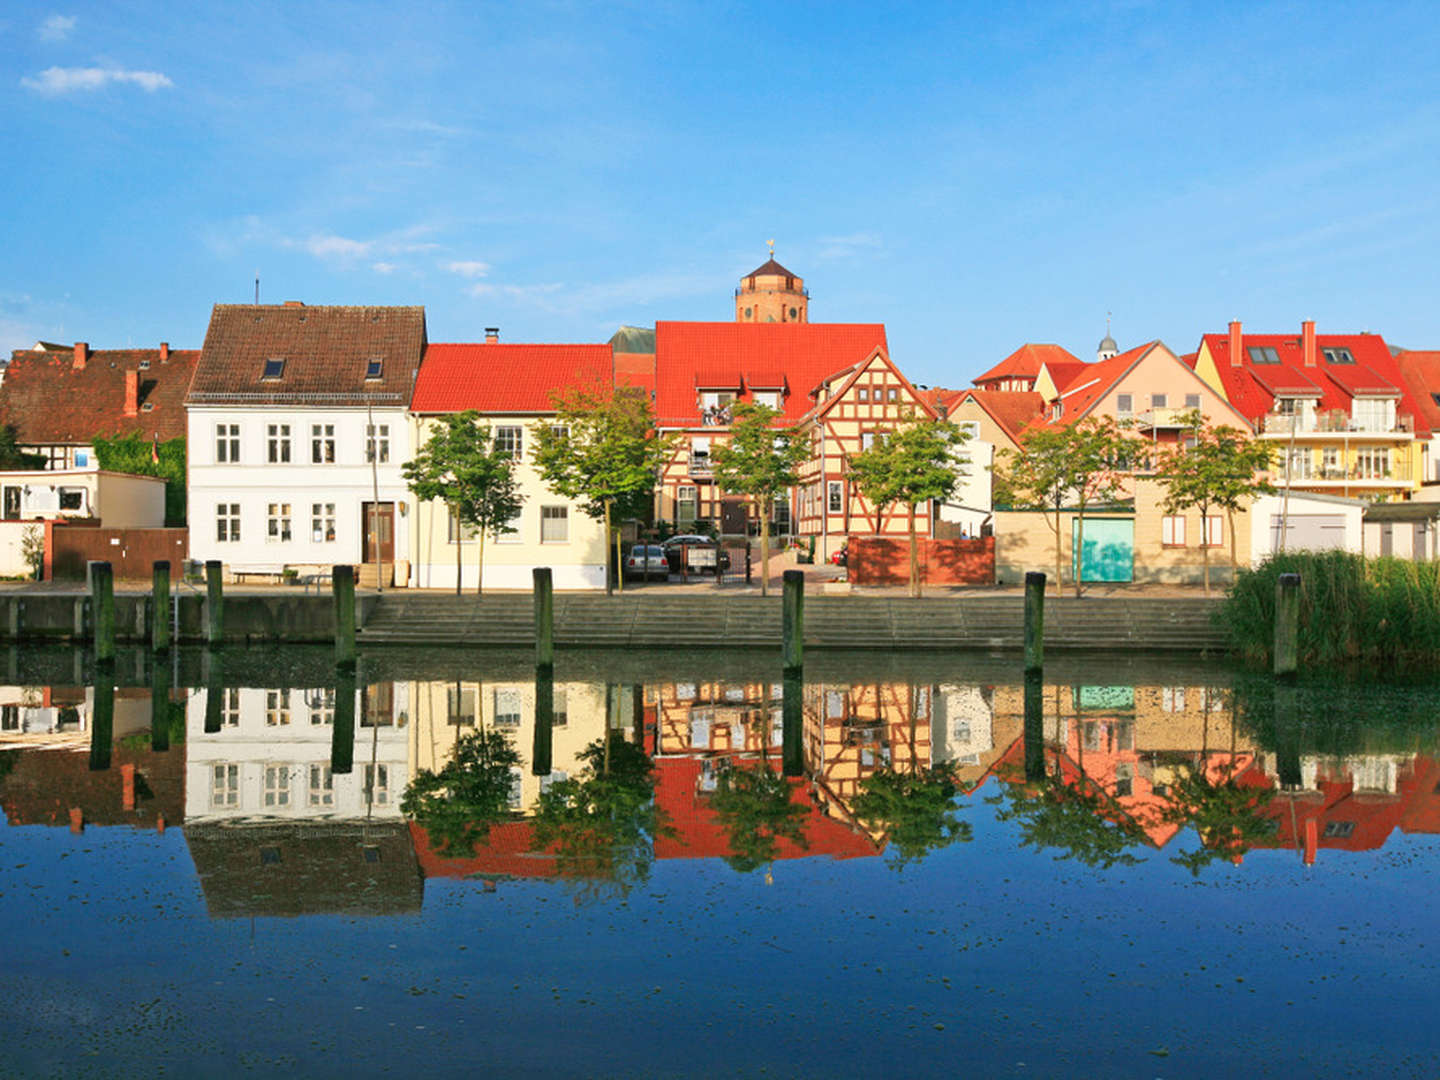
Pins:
<point x="380" y="524"/>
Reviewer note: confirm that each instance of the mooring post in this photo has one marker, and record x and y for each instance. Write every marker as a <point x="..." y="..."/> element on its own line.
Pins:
<point x="542" y="749"/>
<point x="13" y="620"/>
<point x="160" y="605"/>
<point x="214" y="693"/>
<point x="1287" y="625"/>
<point x="160" y="707"/>
<point x="1034" y="620"/>
<point x="342" y="581"/>
<point x="793" y="620"/>
<point x="102" y="724"/>
<point x="214" y="604"/>
<point x="544" y="620"/>
<point x="342" y="735"/>
<point x="102" y="602"/>
<point x="792" y="747"/>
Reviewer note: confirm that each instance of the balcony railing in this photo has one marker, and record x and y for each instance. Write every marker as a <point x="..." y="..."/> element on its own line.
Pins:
<point x="699" y="465"/>
<point x="1331" y="423"/>
<point x="1163" y="418"/>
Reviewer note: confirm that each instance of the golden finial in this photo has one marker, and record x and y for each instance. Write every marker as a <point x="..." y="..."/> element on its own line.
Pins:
<point x="772" y="247"/>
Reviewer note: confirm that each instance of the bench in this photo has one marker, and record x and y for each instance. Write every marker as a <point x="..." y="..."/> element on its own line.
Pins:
<point x="273" y="577"/>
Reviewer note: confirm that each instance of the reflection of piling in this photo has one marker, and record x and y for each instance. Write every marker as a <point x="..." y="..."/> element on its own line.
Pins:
<point x="160" y="707"/>
<point x="102" y="724"/>
<point x="1034" y="620"/>
<point x="793" y="713"/>
<point x="214" y="693"/>
<point x="102" y="603"/>
<point x="342" y="735"/>
<point x="544" y="619"/>
<point x="1287" y="625"/>
<point x="1287" y="737"/>
<point x="1034" y="724"/>
<point x="160" y="606"/>
<point x="214" y="604"/>
<point x="541" y="752"/>
<point x="342" y="582"/>
<point x="793" y="620"/>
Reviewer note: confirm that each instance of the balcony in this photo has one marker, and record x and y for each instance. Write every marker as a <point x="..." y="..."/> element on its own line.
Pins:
<point x="699" y="465"/>
<point x="1158" y="418"/>
<point x="1335" y="422"/>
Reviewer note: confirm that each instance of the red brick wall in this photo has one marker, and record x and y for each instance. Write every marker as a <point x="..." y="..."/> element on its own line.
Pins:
<point x="876" y="561"/>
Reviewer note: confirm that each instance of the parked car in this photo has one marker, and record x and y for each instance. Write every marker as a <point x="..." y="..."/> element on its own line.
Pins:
<point x="698" y="553"/>
<point x="647" y="561"/>
<point x="841" y="557"/>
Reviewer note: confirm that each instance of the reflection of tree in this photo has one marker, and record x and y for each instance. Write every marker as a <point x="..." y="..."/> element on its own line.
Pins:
<point x="458" y="804"/>
<point x="915" y="809"/>
<point x="602" y="826"/>
<point x="1226" y="815"/>
<point x="754" y="806"/>
<point x="1070" y="816"/>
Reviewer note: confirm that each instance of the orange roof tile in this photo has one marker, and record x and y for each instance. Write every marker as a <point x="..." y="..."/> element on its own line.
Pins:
<point x="495" y="378"/>
<point x="1421" y="374"/>
<point x="1025" y="363"/>
<point x="1013" y="410"/>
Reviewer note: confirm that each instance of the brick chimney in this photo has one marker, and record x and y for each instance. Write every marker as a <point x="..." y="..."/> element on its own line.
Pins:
<point x="492" y="335"/>
<point x="164" y="351"/>
<point x="132" y="393"/>
<point x="1307" y="342"/>
<point x="1236" y="343"/>
<point x="82" y="353"/>
<point x="294" y="303"/>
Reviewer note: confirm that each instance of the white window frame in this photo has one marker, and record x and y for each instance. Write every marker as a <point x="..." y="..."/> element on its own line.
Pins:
<point x="277" y="708"/>
<point x="278" y="444"/>
<point x="322" y="785"/>
<point x="277" y="523"/>
<point x="227" y="444"/>
<point x="1172" y="530"/>
<point x="507" y="706"/>
<point x="384" y="443"/>
<point x="555" y="520"/>
<point x="835" y="496"/>
<point x="277" y="786"/>
<point x="510" y="439"/>
<point x="322" y="444"/>
<point x="322" y="523"/>
<point x="513" y="531"/>
<point x="1215" y="531"/>
<point x="227" y="523"/>
<point x="224" y="786"/>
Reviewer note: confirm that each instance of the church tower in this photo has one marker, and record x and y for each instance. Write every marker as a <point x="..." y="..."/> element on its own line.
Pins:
<point x="770" y="293"/>
<point x="1107" y="348"/>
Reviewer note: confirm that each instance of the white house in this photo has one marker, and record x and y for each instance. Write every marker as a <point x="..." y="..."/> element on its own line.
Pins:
<point x="297" y="422"/>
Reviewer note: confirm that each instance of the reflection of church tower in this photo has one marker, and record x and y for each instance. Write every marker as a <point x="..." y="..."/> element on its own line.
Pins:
<point x="1107" y="348"/>
<point x="771" y="293"/>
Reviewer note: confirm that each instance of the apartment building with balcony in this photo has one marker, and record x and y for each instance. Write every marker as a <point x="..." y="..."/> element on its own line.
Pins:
<point x="1341" y="416"/>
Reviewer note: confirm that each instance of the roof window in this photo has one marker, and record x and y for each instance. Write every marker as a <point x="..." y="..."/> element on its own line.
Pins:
<point x="144" y="365"/>
<point x="1263" y="354"/>
<point x="274" y="368"/>
<point x="1337" y="355"/>
<point x="374" y="367"/>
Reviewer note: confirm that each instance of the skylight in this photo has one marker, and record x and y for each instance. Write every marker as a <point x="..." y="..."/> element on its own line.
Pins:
<point x="1338" y="355"/>
<point x="274" y="368"/>
<point x="373" y="368"/>
<point x="1263" y="354"/>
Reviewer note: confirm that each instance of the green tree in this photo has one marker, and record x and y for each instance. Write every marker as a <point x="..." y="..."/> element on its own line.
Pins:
<point x="761" y="462"/>
<point x="913" y="464"/>
<point x="1075" y="465"/>
<point x="461" y="466"/>
<point x="1228" y="816"/>
<point x="1073" y="818"/>
<point x="915" y="809"/>
<point x="604" y="452"/>
<point x="1222" y="471"/>
<point x="12" y="457"/>
<point x="755" y="807"/>
<point x="457" y="805"/>
<point x="139" y="456"/>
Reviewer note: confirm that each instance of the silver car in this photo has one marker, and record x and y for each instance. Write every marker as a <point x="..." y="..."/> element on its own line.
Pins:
<point x="646" y="561"/>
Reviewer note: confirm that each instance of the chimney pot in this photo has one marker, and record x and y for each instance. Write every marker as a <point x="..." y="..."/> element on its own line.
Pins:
<point x="1307" y="342"/>
<point x="1236" y="343"/>
<point x="164" y="351"/>
<point x="294" y="303"/>
<point x="492" y="335"/>
<point x="132" y="393"/>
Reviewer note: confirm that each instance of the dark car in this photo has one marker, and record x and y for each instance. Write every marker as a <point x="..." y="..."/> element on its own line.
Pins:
<point x="694" y="554"/>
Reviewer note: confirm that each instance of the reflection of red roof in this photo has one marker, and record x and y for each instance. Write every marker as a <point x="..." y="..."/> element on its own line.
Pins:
<point x="1013" y="410"/>
<point x="1422" y="812"/>
<point x="45" y="784"/>
<point x="505" y="378"/>
<point x="804" y="353"/>
<point x="1421" y="374"/>
<point x="506" y="853"/>
<point x="1358" y="820"/>
<point x="1251" y="387"/>
<point x="1025" y="363"/>
<point x="700" y="835"/>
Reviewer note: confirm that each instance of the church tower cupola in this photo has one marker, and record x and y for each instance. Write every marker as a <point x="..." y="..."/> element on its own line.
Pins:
<point x="1107" y="348"/>
<point x="770" y="293"/>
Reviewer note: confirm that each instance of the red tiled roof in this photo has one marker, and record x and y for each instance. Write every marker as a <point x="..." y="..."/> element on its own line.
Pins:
<point x="496" y="378"/>
<point x="1025" y="363"/>
<point x="1013" y="410"/>
<point x="1421" y="374"/>
<point x="805" y="353"/>
<point x="51" y="403"/>
<point x="1088" y="387"/>
<point x="1251" y="387"/>
<point x="327" y="351"/>
<point x="636" y="369"/>
<point x="1066" y="373"/>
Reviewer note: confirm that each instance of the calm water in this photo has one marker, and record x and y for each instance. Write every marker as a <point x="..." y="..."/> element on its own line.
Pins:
<point x="1171" y="870"/>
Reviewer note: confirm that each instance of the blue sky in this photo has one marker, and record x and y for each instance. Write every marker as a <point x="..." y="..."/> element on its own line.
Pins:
<point x="973" y="175"/>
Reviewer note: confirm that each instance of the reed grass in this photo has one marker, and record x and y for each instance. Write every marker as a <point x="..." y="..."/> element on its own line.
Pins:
<point x="1382" y="612"/>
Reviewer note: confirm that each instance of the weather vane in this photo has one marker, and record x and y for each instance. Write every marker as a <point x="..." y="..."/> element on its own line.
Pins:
<point x="772" y="247"/>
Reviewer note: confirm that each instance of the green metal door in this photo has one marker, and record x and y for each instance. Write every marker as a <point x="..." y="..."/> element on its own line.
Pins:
<point x="1109" y="549"/>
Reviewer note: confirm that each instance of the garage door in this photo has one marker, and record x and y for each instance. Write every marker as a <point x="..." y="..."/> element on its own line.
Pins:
<point x="1309" y="532"/>
<point x="1109" y="549"/>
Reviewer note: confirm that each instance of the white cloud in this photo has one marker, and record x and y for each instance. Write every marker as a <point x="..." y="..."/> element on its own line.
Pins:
<point x="334" y="247"/>
<point x="56" y="27"/>
<point x="847" y="247"/>
<point x="384" y="267"/>
<point x="515" y="292"/>
<point x="57" y="80"/>
<point x="467" y="267"/>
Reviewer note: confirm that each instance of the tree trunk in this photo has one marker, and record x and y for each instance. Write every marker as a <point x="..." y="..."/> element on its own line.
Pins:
<point x="459" y="549"/>
<point x="764" y="549"/>
<point x="619" y="572"/>
<point x="480" y="566"/>
<point x="914" y="556"/>
<point x="1205" y="550"/>
<point x="1230" y="524"/>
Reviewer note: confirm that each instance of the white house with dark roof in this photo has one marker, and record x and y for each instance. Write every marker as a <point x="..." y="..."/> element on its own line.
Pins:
<point x="297" y="422"/>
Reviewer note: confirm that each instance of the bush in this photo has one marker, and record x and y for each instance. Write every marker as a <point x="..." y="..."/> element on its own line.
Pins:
<point x="1379" y="612"/>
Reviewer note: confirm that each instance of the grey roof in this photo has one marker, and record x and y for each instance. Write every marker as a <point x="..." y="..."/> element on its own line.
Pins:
<point x="1107" y="344"/>
<point x="1403" y="511"/>
<point x="633" y="339"/>
<point x="770" y="267"/>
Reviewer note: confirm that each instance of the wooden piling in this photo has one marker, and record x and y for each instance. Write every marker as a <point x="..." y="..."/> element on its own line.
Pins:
<point x="792" y="752"/>
<point x="160" y="605"/>
<point x="542" y="748"/>
<point x="102" y="603"/>
<point x="1034" y="620"/>
<point x="793" y="625"/>
<point x="544" y="619"/>
<point x="160" y="707"/>
<point x="1287" y="625"/>
<point x="342" y="582"/>
<point x="214" y="604"/>
<point x="342" y="735"/>
<point x="214" y="694"/>
<point x="1035" y="721"/>
<point x="102" y="723"/>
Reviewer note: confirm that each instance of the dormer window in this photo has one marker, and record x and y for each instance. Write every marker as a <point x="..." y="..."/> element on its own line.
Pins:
<point x="274" y="368"/>
<point x="1263" y="354"/>
<point x="1338" y="356"/>
<point x="144" y="365"/>
<point x="373" y="367"/>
